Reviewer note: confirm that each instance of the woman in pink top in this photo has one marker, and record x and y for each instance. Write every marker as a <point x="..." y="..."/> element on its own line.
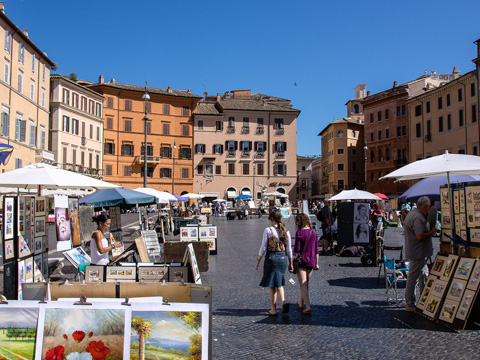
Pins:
<point x="306" y="247"/>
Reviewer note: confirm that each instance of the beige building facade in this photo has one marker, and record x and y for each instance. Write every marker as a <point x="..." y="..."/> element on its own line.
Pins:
<point x="304" y="178"/>
<point x="24" y="96"/>
<point x="76" y="126"/>
<point x="244" y="141"/>
<point x="317" y="178"/>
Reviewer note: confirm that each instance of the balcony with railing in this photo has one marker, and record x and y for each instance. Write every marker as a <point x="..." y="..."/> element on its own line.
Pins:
<point x="260" y="154"/>
<point x="44" y="156"/>
<point x="230" y="153"/>
<point x="230" y="129"/>
<point x="92" y="172"/>
<point x="150" y="159"/>
<point x="280" y="154"/>
<point x="245" y="129"/>
<point x="245" y="153"/>
<point x="260" y="130"/>
<point x="279" y="131"/>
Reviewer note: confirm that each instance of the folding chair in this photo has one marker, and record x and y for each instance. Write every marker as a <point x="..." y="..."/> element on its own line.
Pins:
<point x="395" y="272"/>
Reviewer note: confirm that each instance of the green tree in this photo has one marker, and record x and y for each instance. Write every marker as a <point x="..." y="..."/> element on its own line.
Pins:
<point x="143" y="328"/>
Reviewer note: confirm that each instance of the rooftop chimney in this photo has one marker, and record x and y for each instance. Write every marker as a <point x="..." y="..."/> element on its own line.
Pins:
<point x="219" y="96"/>
<point x="101" y="79"/>
<point x="205" y="94"/>
<point x="394" y="84"/>
<point x="169" y="89"/>
<point x="455" y="72"/>
<point x="368" y="92"/>
<point x="189" y="91"/>
<point x="113" y="81"/>
<point x="2" y="7"/>
<point x="25" y="31"/>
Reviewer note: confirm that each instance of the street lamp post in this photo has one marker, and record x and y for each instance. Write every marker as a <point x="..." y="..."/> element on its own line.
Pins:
<point x="145" y="97"/>
<point x="173" y="170"/>
<point x="365" y="148"/>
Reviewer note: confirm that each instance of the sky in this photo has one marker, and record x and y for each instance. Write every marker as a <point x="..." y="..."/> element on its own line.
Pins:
<point x="311" y="52"/>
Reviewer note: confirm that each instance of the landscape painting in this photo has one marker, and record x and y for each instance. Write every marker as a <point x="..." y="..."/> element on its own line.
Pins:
<point x="87" y="333"/>
<point x="18" y="328"/>
<point x="161" y="334"/>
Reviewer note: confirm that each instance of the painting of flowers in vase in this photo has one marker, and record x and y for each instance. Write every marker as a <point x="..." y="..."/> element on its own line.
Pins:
<point x="166" y="335"/>
<point x="83" y="334"/>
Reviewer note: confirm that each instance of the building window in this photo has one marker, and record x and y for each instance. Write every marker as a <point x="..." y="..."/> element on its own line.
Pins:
<point x="200" y="124"/>
<point x="185" y="153"/>
<point x="91" y="107"/>
<point x="387" y="133"/>
<point x="8" y="41"/>
<point x="246" y="169"/>
<point x="66" y="96"/>
<point x="84" y="103"/>
<point x="449" y="121"/>
<point x="218" y="125"/>
<point x="199" y="148"/>
<point x="218" y="169"/>
<point x="475" y="150"/>
<point x="109" y="148"/>
<point x="340" y="167"/>
<point x="379" y="115"/>
<point x="109" y="102"/>
<point x="128" y="105"/>
<point x="200" y="169"/>
<point x="356" y="109"/>
<point x="43" y="72"/>
<point x="474" y="113"/>
<point x="379" y="134"/>
<point x="18" y="163"/>
<point x="418" y="128"/>
<point x="98" y="109"/>
<point x="21" y="53"/>
<point x="98" y="133"/>
<point x="472" y="90"/>
<point x="108" y="170"/>
<point x="66" y="124"/>
<point x="404" y="110"/>
<point x="127" y="171"/>
<point x="33" y="63"/>
<point x="149" y="150"/>
<point x="260" y="169"/>
<point x="166" y="109"/>
<point x="448" y="100"/>
<point x="231" y="168"/>
<point x="387" y="154"/>
<point x="280" y="169"/>
<point x="371" y="136"/>
<point x="460" y="95"/>
<point x="165" y="172"/>
<point x="185" y="130"/>
<point x="91" y="132"/>
<point x="33" y="134"/>
<point x="428" y="107"/>
<point x="372" y="156"/>
<point x="75" y="129"/>
<point x="166" y="129"/>
<point x="340" y="151"/>
<point x="218" y="149"/>
<point x="166" y="152"/>
<point x="32" y="89"/>
<point x="371" y="117"/>
<point x="440" y="103"/>
<point x="404" y="130"/>
<point x="127" y="149"/>
<point x="399" y="131"/>
<point x="184" y="173"/>
<point x="149" y="127"/>
<point x="354" y="166"/>
<point x="186" y="111"/>
<point x="398" y="111"/>
<point x="20" y="81"/>
<point x="43" y="97"/>
<point x="460" y="117"/>
<point x="440" y="124"/>
<point x="149" y="171"/>
<point x="260" y="122"/>
<point x="6" y="76"/>
<point x="429" y="127"/>
<point x="279" y="123"/>
<point x="418" y="110"/>
<point x="90" y="160"/>
<point x="109" y="123"/>
<point x="380" y="155"/>
<point x="387" y="114"/>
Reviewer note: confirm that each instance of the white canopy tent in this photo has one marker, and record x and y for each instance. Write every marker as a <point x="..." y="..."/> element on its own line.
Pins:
<point x="277" y="194"/>
<point x="162" y="197"/>
<point x="192" y="196"/>
<point x="355" y="195"/>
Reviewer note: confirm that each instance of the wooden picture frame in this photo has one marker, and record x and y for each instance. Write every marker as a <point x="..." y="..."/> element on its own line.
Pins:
<point x="456" y="289"/>
<point x="8" y="250"/>
<point x="40" y="226"/>
<point x="178" y="274"/>
<point x="464" y="268"/>
<point x="457" y="224"/>
<point x="212" y="245"/>
<point x="422" y="301"/>
<point x="121" y="273"/>
<point x="475" y="236"/>
<point x="439" y="265"/>
<point x="456" y="201"/>
<point x="474" y="277"/>
<point x="9" y="217"/>
<point x="466" y="304"/>
<point x="449" y="267"/>
<point x="432" y="306"/>
<point x="37" y="268"/>
<point x="470" y="218"/>
<point x="462" y="201"/>
<point x="94" y="273"/>
<point x="446" y="219"/>
<point x="76" y="256"/>
<point x="439" y="288"/>
<point x="444" y="199"/>
<point x="153" y="273"/>
<point x="40" y="205"/>
<point x="449" y="310"/>
<point x="29" y="270"/>
<point x="38" y="245"/>
<point x="142" y="252"/>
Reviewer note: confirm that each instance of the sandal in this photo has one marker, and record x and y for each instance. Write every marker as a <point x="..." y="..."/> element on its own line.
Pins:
<point x="285" y="308"/>
<point x="268" y="313"/>
<point x="299" y="305"/>
<point x="307" y="312"/>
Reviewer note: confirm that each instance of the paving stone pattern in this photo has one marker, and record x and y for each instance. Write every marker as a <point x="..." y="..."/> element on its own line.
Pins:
<point x="350" y="316"/>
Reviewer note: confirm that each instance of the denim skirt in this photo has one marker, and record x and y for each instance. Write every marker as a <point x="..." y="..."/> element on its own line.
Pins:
<point x="274" y="269"/>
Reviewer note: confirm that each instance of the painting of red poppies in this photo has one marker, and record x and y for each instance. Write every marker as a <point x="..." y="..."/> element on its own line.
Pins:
<point x="18" y="327"/>
<point x="172" y="334"/>
<point x="83" y="333"/>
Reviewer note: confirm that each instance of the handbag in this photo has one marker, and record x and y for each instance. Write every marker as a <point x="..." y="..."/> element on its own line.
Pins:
<point x="296" y="260"/>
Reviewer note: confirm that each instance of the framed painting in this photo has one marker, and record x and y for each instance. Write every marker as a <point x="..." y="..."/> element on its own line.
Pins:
<point x="466" y="304"/>
<point x="94" y="273"/>
<point x="178" y="274"/>
<point x="37" y="269"/>
<point x="45" y="243"/>
<point x="439" y="265"/>
<point x="9" y="217"/>
<point x="153" y="273"/>
<point x="456" y="289"/>
<point x="62" y="223"/>
<point x="444" y="199"/>
<point x="449" y="267"/>
<point x="9" y="250"/>
<point x="38" y="245"/>
<point x="29" y="270"/>
<point x="96" y="331"/>
<point x="184" y="234"/>
<point x="25" y="246"/>
<point x="77" y="256"/>
<point x="475" y="236"/>
<point x="462" y="201"/>
<point x="177" y="328"/>
<point x="446" y="219"/>
<point x="40" y="226"/>
<point x="476" y="218"/>
<point x="439" y="288"/>
<point x="19" y="328"/>
<point x="431" y="307"/>
<point x="449" y="310"/>
<point x="457" y="224"/>
<point x="464" y="268"/>
<point x="121" y="273"/>
<point x="422" y="301"/>
<point x="470" y="218"/>
<point x="456" y="201"/>
<point x="40" y="205"/>
<point x="75" y="221"/>
<point x="212" y="245"/>
<point x="474" y="277"/>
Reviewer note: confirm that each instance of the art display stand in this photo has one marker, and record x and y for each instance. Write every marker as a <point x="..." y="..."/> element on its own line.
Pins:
<point x="201" y="232"/>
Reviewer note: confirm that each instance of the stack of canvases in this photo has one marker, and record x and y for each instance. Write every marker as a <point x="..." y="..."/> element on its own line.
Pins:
<point x="451" y="290"/>
<point x="25" y="245"/>
<point x="103" y="330"/>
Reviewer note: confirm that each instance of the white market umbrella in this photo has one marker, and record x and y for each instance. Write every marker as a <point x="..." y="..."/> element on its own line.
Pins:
<point x="276" y="193"/>
<point x="50" y="177"/>
<point x="355" y="195"/>
<point x="192" y="196"/>
<point x="219" y="200"/>
<point x="163" y="197"/>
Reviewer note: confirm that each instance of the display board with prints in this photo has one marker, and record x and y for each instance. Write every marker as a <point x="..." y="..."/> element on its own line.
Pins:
<point x="153" y="247"/>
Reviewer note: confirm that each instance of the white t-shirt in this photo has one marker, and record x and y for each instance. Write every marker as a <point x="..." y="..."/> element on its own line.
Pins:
<point x="97" y="258"/>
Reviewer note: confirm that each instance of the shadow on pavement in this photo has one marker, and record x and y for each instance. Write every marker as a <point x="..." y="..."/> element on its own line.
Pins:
<point x="357" y="282"/>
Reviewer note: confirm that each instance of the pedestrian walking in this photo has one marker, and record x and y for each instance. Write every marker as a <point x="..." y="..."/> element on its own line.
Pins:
<point x="326" y="218"/>
<point x="306" y="248"/>
<point x="418" y="247"/>
<point x="260" y="210"/>
<point x="277" y="248"/>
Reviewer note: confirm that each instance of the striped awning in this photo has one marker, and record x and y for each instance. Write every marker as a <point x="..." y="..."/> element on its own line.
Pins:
<point x="231" y="194"/>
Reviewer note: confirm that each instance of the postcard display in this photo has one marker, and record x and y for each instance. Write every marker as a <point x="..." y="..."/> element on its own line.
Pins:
<point x="206" y="233"/>
<point x="114" y="329"/>
<point x="25" y="244"/>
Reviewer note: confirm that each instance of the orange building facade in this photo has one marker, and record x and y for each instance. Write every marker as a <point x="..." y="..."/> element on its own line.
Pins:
<point x="169" y="136"/>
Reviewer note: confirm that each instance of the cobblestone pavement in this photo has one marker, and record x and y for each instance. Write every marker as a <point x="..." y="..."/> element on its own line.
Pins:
<point x="350" y="316"/>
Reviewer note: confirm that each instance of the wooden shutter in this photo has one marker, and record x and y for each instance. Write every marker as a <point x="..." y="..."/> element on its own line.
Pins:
<point x="23" y="130"/>
<point x="284" y="146"/>
<point x="236" y="145"/>
<point x="250" y="145"/>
